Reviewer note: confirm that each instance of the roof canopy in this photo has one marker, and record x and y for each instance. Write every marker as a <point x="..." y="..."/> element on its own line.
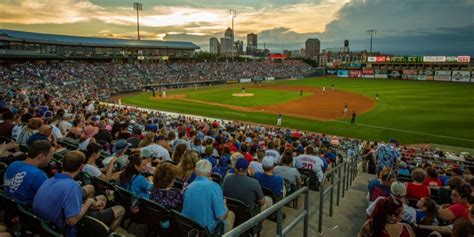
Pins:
<point x="13" y="35"/>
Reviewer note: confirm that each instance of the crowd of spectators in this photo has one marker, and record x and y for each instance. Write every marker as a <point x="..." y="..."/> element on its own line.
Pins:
<point x="182" y="163"/>
<point x="96" y="80"/>
<point x="50" y="141"/>
<point x="418" y="192"/>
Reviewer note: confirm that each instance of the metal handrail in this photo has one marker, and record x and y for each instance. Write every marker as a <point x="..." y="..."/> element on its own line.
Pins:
<point x="343" y="173"/>
<point x="277" y="207"/>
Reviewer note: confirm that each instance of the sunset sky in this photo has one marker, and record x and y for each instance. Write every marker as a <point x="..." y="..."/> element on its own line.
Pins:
<point x="403" y="26"/>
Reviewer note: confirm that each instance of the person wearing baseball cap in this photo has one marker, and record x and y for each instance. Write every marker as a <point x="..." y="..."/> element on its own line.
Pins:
<point x="243" y="188"/>
<point x="270" y="180"/>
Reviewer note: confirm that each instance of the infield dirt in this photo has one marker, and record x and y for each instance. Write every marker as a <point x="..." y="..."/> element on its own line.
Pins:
<point x="320" y="106"/>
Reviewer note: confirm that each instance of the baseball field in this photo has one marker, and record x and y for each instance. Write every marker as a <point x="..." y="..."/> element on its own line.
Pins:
<point x="414" y="112"/>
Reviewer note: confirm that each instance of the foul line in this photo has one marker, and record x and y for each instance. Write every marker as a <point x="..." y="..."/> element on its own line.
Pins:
<point x="406" y="131"/>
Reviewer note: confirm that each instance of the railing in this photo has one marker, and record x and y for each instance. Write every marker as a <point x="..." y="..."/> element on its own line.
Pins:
<point x="277" y="207"/>
<point x="344" y="174"/>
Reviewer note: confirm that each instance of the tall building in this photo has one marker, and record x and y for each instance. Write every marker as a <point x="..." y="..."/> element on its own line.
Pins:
<point x="239" y="47"/>
<point x="251" y="44"/>
<point x="226" y="46"/>
<point x="229" y="33"/>
<point x="214" y="46"/>
<point x="312" y="47"/>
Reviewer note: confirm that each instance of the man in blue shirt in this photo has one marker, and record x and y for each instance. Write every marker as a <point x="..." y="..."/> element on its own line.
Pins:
<point x="65" y="207"/>
<point x="268" y="179"/>
<point x="204" y="201"/>
<point x="24" y="178"/>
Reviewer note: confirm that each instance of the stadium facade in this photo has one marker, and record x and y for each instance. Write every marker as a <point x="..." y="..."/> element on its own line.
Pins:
<point x="19" y="44"/>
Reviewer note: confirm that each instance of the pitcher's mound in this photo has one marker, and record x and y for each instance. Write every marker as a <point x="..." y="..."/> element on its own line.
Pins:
<point x="242" y="94"/>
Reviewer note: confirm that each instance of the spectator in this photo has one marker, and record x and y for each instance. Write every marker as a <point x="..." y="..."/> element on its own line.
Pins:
<point x="417" y="189"/>
<point x="33" y="125"/>
<point x="6" y="127"/>
<point x="208" y="152"/>
<point x="163" y="192"/>
<point x="147" y="140"/>
<point x="432" y="179"/>
<point x="256" y="165"/>
<point x="65" y="207"/>
<point x="133" y="180"/>
<point x="269" y="179"/>
<point x="387" y="156"/>
<point x="381" y="187"/>
<point x="460" y="196"/>
<point x="180" y="149"/>
<point x="244" y="188"/>
<point x="445" y="192"/>
<point x="118" y="150"/>
<point x="287" y="171"/>
<point x="24" y="178"/>
<point x="204" y="201"/>
<point x="87" y="137"/>
<point x="312" y="162"/>
<point x="25" y="118"/>
<point x="385" y="220"/>
<point x="158" y="151"/>
<point x="186" y="167"/>
<point x="271" y="152"/>
<point x="44" y="133"/>
<point x="92" y="153"/>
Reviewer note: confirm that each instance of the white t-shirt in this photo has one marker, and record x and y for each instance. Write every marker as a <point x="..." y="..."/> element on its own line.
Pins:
<point x="310" y="162"/>
<point x="57" y="132"/>
<point x="274" y="154"/>
<point x="83" y="145"/>
<point x="91" y="170"/>
<point x="158" y="151"/>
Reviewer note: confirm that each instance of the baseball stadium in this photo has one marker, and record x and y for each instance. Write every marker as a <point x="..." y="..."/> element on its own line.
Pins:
<point x="104" y="135"/>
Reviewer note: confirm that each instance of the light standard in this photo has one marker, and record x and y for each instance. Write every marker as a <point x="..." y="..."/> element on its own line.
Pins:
<point x="371" y="32"/>
<point x="138" y="7"/>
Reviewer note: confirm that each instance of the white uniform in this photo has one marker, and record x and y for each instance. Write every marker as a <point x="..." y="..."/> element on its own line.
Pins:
<point x="311" y="162"/>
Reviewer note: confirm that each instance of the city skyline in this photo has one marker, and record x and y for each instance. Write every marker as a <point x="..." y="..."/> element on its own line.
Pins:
<point x="402" y="26"/>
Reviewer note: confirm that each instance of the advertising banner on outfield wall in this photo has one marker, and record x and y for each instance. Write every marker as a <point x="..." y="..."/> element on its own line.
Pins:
<point x="429" y="78"/>
<point x="442" y="78"/>
<point x="383" y="76"/>
<point x="421" y="77"/>
<point x="355" y="73"/>
<point x="395" y="74"/>
<point x="371" y="59"/>
<point x="343" y="73"/>
<point x="269" y="78"/>
<point x="367" y="76"/>
<point x="464" y="59"/>
<point x="427" y="72"/>
<point x="461" y="76"/>
<point x="434" y="59"/>
<point x="442" y="73"/>
<point x="381" y="71"/>
<point x="472" y="77"/>
<point x="331" y="72"/>
<point x="368" y="72"/>
<point x="244" y="80"/>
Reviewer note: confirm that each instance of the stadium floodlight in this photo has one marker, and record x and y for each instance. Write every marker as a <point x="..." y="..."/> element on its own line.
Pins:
<point x="371" y="32"/>
<point x="138" y="7"/>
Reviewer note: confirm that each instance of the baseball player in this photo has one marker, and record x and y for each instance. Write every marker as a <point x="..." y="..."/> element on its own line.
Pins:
<point x="279" y="120"/>
<point x="346" y="108"/>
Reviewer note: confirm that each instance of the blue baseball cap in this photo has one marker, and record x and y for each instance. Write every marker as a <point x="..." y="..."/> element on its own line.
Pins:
<point x="241" y="164"/>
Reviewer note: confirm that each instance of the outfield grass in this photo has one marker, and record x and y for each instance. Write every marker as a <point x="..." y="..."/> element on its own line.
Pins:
<point x="261" y="96"/>
<point x="412" y="111"/>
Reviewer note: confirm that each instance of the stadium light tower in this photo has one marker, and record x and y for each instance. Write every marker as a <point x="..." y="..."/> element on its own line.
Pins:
<point x="138" y="7"/>
<point x="371" y="32"/>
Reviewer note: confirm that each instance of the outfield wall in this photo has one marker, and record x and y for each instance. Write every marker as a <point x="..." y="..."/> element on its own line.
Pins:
<point x="406" y="74"/>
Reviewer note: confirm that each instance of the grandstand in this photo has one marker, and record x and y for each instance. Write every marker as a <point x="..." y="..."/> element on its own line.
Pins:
<point x="19" y="44"/>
